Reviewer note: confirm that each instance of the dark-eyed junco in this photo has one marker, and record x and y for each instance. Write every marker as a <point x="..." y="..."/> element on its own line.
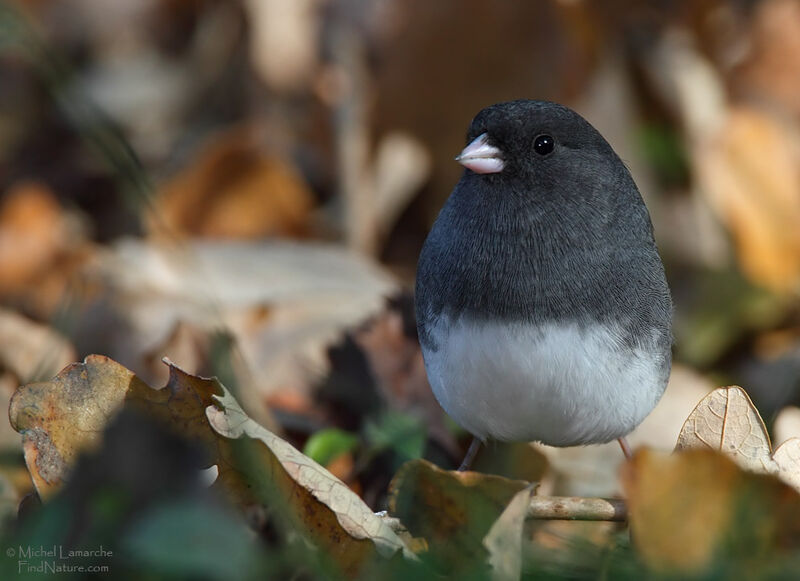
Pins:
<point x="541" y="301"/>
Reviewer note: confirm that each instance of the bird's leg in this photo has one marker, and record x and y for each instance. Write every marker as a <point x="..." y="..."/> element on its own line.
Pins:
<point x="626" y="448"/>
<point x="471" y="453"/>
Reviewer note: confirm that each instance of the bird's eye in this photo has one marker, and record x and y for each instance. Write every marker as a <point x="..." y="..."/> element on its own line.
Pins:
<point x="543" y="144"/>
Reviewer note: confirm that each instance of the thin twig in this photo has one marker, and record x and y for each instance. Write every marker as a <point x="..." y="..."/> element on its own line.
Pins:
<point x="577" y="508"/>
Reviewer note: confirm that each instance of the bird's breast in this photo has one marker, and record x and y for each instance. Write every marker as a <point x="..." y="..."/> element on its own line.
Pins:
<point x="559" y="383"/>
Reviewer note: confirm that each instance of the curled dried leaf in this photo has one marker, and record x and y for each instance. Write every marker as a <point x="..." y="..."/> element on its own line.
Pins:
<point x="322" y="487"/>
<point x="63" y="417"/>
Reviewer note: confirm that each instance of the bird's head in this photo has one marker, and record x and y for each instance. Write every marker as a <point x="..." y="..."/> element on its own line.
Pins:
<point x="539" y="147"/>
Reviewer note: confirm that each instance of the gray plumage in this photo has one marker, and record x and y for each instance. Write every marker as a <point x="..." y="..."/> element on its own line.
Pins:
<point x="559" y="239"/>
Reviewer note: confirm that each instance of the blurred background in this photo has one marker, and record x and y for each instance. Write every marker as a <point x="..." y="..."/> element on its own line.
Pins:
<point x="244" y="187"/>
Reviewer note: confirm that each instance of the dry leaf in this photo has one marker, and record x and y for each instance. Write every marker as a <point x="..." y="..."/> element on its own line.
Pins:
<point x="686" y="508"/>
<point x="30" y="220"/>
<point x="727" y="421"/>
<point x="60" y="418"/>
<point x="504" y="539"/>
<point x="233" y="190"/>
<point x="354" y="516"/>
<point x="787" y="457"/>
<point x="29" y="349"/>
<point x="757" y="197"/>
<point x="514" y="460"/>
<point x="787" y="424"/>
<point x="772" y="68"/>
<point x="9" y="439"/>
<point x="452" y="511"/>
<point x="283" y="41"/>
<point x="283" y="302"/>
<point x="40" y="245"/>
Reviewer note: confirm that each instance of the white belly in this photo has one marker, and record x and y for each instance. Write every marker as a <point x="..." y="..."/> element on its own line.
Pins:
<point x="560" y="385"/>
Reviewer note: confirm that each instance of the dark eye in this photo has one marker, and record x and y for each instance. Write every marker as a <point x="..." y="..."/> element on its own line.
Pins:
<point x="543" y="144"/>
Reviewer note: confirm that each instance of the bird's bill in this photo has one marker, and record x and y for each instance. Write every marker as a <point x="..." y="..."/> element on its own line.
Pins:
<point x="481" y="157"/>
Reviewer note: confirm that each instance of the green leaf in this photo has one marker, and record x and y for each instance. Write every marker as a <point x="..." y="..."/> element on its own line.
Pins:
<point x="325" y="445"/>
<point x="403" y="434"/>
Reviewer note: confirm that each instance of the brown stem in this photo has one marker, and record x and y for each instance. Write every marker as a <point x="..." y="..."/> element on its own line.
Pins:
<point x="577" y="508"/>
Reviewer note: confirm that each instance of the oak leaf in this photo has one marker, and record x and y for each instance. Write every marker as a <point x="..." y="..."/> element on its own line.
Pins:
<point x="303" y="481"/>
<point x="65" y="416"/>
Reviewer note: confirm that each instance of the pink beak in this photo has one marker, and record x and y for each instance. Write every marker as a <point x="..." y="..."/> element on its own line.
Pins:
<point x="481" y="157"/>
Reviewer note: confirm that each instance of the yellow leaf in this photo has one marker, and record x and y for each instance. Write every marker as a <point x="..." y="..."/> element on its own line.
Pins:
<point x="690" y="508"/>
<point x="757" y="196"/>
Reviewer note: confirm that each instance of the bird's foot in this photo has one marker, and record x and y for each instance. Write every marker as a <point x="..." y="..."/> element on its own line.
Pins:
<point x="626" y="448"/>
<point x="471" y="453"/>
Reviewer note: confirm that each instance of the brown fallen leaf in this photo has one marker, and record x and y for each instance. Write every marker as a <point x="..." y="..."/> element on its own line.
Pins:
<point x="234" y="190"/>
<point x="30" y="234"/>
<point x="283" y="303"/>
<point x="690" y="508"/>
<point x="41" y="246"/>
<point x="29" y="349"/>
<point x="772" y="66"/>
<point x="63" y="417"/>
<point x="452" y="511"/>
<point x="727" y="421"/>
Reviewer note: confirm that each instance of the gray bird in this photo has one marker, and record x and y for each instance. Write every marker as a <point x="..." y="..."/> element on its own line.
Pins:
<point x="542" y="306"/>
